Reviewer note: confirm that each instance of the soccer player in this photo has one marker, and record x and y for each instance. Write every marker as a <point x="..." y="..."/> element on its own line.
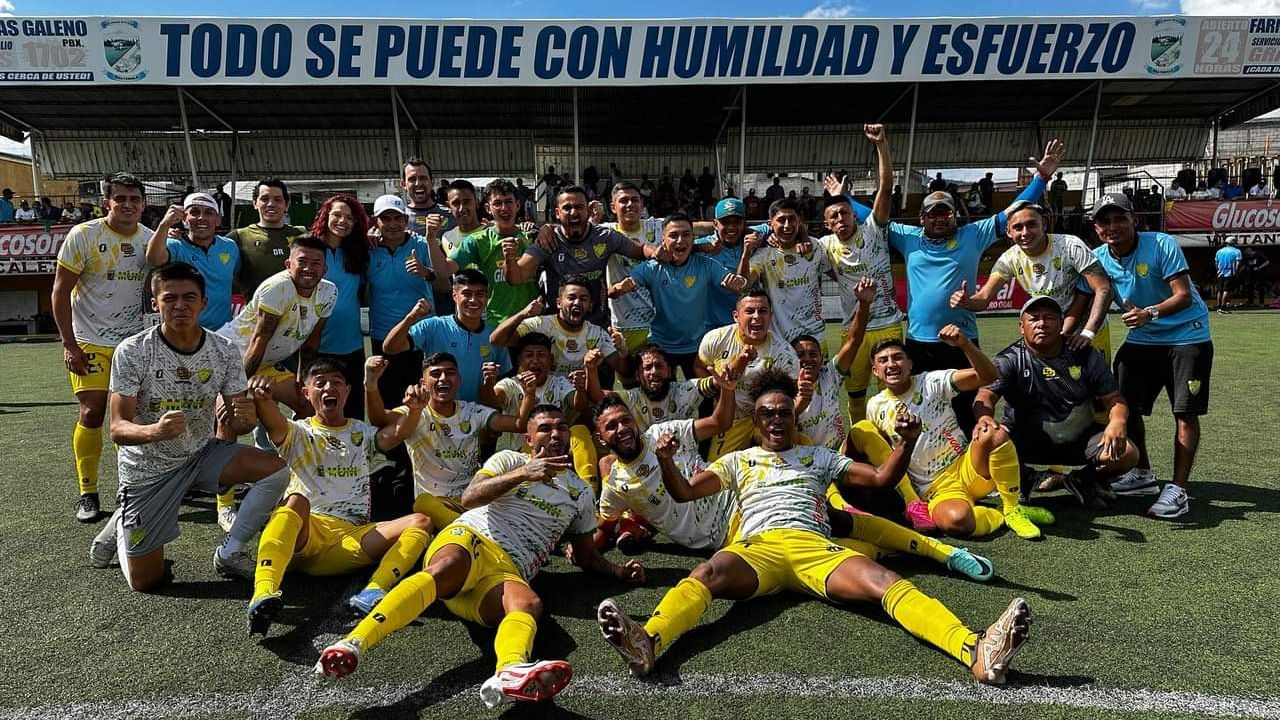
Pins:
<point x="264" y="245"/>
<point x="569" y="329"/>
<point x="725" y="247"/>
<point x="518" y="507"/>
<point x="464" y="334"/>
<point x="678" y="293"/>
<point x="165" y="384"/>
<point x="752" y="338"/>
<point x="417" y="183"/>
<point x="658" y="396"/>
<point x="819" y="416"/>
<point x="1168" y="346"/>
<point x="216" y="257"/>
<point x="462" y="204"/>
<point x="951" y="473"/>
<point x="97" y="302"/>
<point x="789" y="277"/>
<point x="323" y="527"/>
<point x="1050" y="265"/>
<point x="1227" y="260"/>
<point x="785" y="545"/>
<point x="1049" y="388"/>
<point x="533" y="369"/>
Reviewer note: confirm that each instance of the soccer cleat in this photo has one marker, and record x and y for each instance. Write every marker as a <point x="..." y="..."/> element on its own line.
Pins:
<point x="226" y="517"/>
<point x="362" y="603"/>
<point x="238" y="564"/>
<point x="917" y="513"/>
<point x="528" y="682"/>
<point x="102" y="551"/>
<point x="1021" y="524"/>
<point x="1038" y="515"/>
<point x="1136" y="482"/>
<point x="1050" y="480"/>
<point x="1000" y="642"/>
<point x="87" y="508"/>
<point x="339" y="659"/>
<point x="262" y="611"/>
<point x="627" y="637"/>
<point x="1085" y="492"/>
<point x="970" y="564"/>
<point x="1172" y="503"/>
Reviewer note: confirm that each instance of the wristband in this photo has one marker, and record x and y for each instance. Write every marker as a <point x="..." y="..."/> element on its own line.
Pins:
<point x="1087" y="334"/>
<point x="1154" y="312"/>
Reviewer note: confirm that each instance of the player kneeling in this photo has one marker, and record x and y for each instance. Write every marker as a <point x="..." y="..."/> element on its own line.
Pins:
<point x="323" y="526"/>
<point x="518" y="507"/>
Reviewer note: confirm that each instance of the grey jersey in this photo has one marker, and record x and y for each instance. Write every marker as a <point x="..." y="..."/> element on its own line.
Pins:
<point x="589" y="257"/>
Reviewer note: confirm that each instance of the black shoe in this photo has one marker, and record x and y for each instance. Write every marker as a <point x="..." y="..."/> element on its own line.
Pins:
<point x="1084" y="491"/>
<point x="262" y="612"/>
<point x="87" y="508"/>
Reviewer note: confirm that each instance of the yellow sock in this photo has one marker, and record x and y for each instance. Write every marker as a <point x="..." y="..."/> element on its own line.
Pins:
<point x="227" y="498"/>
<point x="929" y="620"/>
<point x="86" y="447"/>
<point x="402" y="604"/>
<point x="275" y="550"/>
<point x="986" y="520"/>
<point x="440" y="510"/>
<point x="400" y="558"/>
<point x="1003" y="466"/>
<point x="887" y="534"/>
<point x="677" y="612"/>
<point x="585" y="458"/>
<point x="861" y="547"/>
<point x="906" y="490"/>
<point x="514" y="641"/>
<point x="857" y="408"/>
<point x="837" y="500"/>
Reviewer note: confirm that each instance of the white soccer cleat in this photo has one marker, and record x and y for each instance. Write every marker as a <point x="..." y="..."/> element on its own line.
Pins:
<point x="527" y="682"/>
<point x="226" y="517"/>
<point x="626" y="636"/>
<point x="1136" y="482"/>
<point x="102" y="551"/>
<point x="339" y="659"/>
<point x="1001" y="641"/>
<point x="239" y="564"/>
<point x="1172" y="503"/>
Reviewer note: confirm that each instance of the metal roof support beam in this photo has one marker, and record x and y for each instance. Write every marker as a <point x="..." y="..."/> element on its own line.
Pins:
<point x="35" y="176"/>
<point x="1068" y="101"/>
<point x="742" y="146"/>
<point x="395" y="124"/>
<point x="20" y="121"/>
<point x="1093" y="143"/>
<point x="235" y="152"/>
<point x="911" y="145"/>
<point x="186" y="136"/>
<point x="727" y="116"/>
<point x="205" y="108"/>
<point x="577" y="159"/>
<point x="408" y="115"/>
<point x="1216" y="116"/>
<point x="894" y="104"/>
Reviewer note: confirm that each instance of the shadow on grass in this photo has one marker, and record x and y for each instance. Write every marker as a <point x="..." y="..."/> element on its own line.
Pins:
<point x="573" y="593"/>
<point x="441" y="688"/>
<point x="1017" y="677"/>
<point x="53" y="403"/>
<point x="744" y="616"/>
<point x="1212" y="503"/>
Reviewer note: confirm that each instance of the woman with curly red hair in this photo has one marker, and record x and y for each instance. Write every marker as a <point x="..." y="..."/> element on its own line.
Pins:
<point x="343" y="225"/>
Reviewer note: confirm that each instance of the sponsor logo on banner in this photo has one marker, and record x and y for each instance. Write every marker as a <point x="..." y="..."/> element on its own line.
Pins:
<point x="1166" y="46"/>
<point x="122" y="48"/>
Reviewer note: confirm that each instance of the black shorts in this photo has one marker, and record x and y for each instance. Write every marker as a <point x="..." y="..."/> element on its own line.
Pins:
<point x="1228" y="283"/>
<point x="1182" y="370"/>
<point x="1035" y="448"/>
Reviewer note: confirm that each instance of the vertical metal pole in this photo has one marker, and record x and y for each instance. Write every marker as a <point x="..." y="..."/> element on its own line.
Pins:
<point x="395" y="124"/>
<point x="1215" y="143"/>
<point x="907" y="185"/>
<point x="742" y="147"/>
<point x="719" y="171"/>
<point x="35" y="174"/>
<point x="235" y="153"/>
<point x="186" y="136"/>
<point x="1093" y="142"/>
<point x="577" y="159"/>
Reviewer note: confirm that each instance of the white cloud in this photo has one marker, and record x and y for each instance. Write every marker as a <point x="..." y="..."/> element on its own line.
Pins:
<point x="824" y="10"/>
<point x="6" y="7"/>
<point x="1231" y="7"/>
<point x="1151" y="5"/>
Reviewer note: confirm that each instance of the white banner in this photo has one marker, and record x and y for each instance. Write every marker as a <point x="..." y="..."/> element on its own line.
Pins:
<point x="180" y="51"/>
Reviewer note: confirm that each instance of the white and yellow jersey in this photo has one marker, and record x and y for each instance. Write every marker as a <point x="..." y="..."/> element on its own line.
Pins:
<point x="568" y="347"/>
<point x="822" y="422"/>
<point x="298" y="315"/>
<point x="445" y="450"/>
<point x="530" y="519"/>
<point x="865" y="253"/>
<point x="792" y="281"/>
<point x="106" y="303"/>
<point x="777" y="490"/>
<point x="329" y="466"/>
<point x="637" y="487"/>
<point x="941" y="439"/>
<point x="680" y="403"/>
<point x="721" y="346"/>
<point x="557" y="390"/>
<point x="1053" y="273"/>
<point x="634" y="310"/>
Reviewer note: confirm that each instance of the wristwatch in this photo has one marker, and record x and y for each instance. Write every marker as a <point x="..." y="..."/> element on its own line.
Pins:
<point x="1155" y="312"/>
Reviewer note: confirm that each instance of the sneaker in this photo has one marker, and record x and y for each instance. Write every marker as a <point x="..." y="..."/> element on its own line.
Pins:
<point x="529" y="682"/>
<point x="971" y="565"/>
<point x="362" y="603"/>
<point x="262" y="611"/>
<point x="1021" y="524"/>
<point x="917" y="513"/>
<point x="339" y="659"/>
<point x="1000" y="642"/>
<point x="627" y="637"/>
<point x="1136" y="482"/>
<point x="1085" y="492"/>
<point x="226" y="517"/>
<point x="87" y="508"/>
<point x="1172" y="503"/>
<point x="239" y="564"/>
<point x="102" y="551"/>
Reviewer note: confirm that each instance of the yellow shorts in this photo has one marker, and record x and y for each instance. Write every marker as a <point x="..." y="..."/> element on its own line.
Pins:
<point x="860" y="370"/>
<point x="635" y="338"/>
<point x="735" y="524"/>
<point x="490" y="567"/>
<point x="788" y="559"/>
<point x="738" y="437"/>
<point x="99" y="377"/>
<point x="1102" y="341"/>
<point x="333" y="547"/>
<point x="958" y="481"/>
<point x="441" y="510"/>
<point x="275" y="373"/>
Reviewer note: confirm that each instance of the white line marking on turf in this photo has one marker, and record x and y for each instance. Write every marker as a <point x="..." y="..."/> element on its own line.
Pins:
<point x="301" y="693"/>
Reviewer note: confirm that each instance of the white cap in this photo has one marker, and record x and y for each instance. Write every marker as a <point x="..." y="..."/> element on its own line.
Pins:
<point x="203" y="200"/>
<point x="389" y="202"/>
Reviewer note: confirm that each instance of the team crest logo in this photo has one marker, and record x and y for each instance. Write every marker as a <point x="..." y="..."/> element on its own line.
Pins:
<point x="790" y="259"/>
<point x="579" y="254"/>
<point x="333" y="441"/>
<point x="571" y="345"/>
<point x="1166" y="46"/>
<point x="1142" y="269"/>
<point x="204" y="375"/>
<point x="320" y="307"/>
<point x="122" y="49"/>
<point x="136" y="536"/>
<point x="1037" y="269"/>
<point x="917" y="398"/>
<point x="952" y="244"/>
<point x="224" y="257"/>
<point x="1074" y="372"/>
<point x="126" y="249"/>
<point x="599" y="249"/>
<point x="484" y="351"/>
<point x="858" y="242"/>
<point x="1193" y="386"/>
<point x="658" y="412"/>
<point x="1057" y="263"/>
<point x="806" y="460"/>
<point x="458" y="532"/>
<point x="689" y="280"/>
<point x="573" y="492"/>
<point x="644" y="470"/>
<point x="357" y="437"/>
<point x="1048" y="372"/>
<point x="182" y="373"/>
<point x="465" y="427"/>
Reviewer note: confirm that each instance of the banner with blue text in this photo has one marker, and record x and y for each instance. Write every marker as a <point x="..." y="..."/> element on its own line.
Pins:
<point x="255" y="51"/>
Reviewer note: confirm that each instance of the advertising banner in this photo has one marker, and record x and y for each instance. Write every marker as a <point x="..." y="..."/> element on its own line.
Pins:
<point x="30" y="249"/>
<point x="1216" y="222"/>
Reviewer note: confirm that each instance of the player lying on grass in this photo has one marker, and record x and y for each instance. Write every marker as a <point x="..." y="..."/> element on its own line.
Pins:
<point x="785" y="544"/>
<point x="518" y="508"/>
<point x="323" y="526"/>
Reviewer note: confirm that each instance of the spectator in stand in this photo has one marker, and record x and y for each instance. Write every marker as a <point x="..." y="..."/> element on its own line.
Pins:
<point x="896" y="200"/>
<point x="646" y="190"/>
<point x="48" y="211"/>
<point x="1176" y="193"/>
<point x="706" y="191"/>
<point x="1232" y="191"/>
<point x="224" y="209"/>
<point x="688" y="183"/>
<point x="755" y="208"/>
<point x="70" y="214"/>
<point x="808" y="205"/>
<point x="7" y="211"/>
<point x="1260" y="191"/>
<point x="25" y="213"/>
<point x="958" y="202"/>
<point x="973" y="200"/>
<point x="1057" y="195"/>
<point x="775" y="192"/>
<point x="937" y="184"/>
<point x="987" y="187"/>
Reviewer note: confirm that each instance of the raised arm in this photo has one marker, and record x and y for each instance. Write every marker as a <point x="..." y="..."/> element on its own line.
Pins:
<point x="721" y="418"/>
<point x="865" y="291"/>
<point x="701" y="485"/>
<point x="397" y="341"/>
<point x="591" y="369"/>
<point x="1045" y="168"/>
<point x="489" y="393"/>
<point x="157" y="250"/>
<point x="861" y="475"/>
<point x="883" y="204"/>
<point x="982" y="370"/>
<point x="981" y="299"/>
<point x="397" y="426"/>
<point x="268" y="411"/>
<point x="507" y="332"/>
<point x="517" y="423"/>
<point x="444" y="267"/>
<point x="263" y="331"/>
<point x="520" y="268"/>
<point x="374" y="408"/>
<point x="486" y="488"/>
<point x="124" y="431"/>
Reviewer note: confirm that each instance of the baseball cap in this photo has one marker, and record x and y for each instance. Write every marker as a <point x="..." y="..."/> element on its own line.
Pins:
<point x="1110" y="200"/>
<point x="204" y="200"/>
<point x="1046" y="300"/>
<point x="730" y="207"/>
<point x="389" y="202"/>
<point x="934" y="199"/>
